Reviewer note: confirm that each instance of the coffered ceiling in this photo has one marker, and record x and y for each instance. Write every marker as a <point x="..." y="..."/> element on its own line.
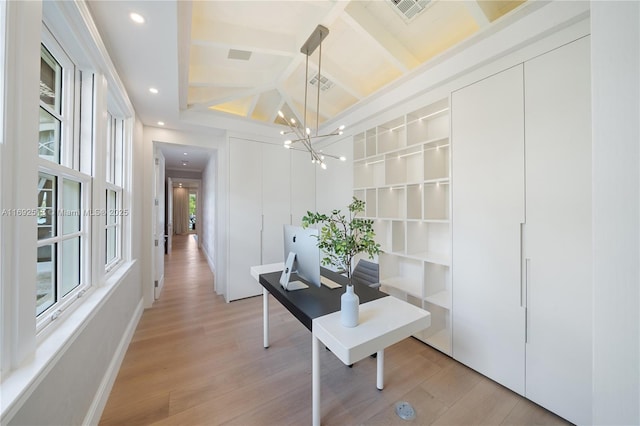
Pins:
<point x="244" y="57"/>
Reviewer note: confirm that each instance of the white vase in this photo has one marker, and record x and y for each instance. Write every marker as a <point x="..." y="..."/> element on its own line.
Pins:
<point x="349" y="308"/>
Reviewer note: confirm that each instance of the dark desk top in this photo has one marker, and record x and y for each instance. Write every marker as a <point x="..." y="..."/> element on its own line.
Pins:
<point x="314" y="302"/>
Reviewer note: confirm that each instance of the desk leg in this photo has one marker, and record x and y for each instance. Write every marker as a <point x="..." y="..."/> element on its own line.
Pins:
<point x="265" y="317"/>
<point x="315" y="379"/>
<point x="380" y="378"/>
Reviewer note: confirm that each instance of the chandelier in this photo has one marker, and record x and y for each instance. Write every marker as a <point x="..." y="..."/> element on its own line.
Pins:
<point x="302" y="134"/>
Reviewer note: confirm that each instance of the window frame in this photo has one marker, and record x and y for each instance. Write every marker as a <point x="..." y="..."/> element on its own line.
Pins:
<point x="117" y="141"/>
<point x="67" y="168"/>
<point x="62" y="302"/>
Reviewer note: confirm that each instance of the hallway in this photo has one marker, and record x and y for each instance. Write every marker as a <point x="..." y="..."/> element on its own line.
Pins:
<point x="196" y="360"/>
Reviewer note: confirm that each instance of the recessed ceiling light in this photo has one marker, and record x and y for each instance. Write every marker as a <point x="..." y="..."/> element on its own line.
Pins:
<point x="136" y="17"/>
<point x="185" y="153"/>
<point x="160" y="123"/>
<point x="153" y="90"/>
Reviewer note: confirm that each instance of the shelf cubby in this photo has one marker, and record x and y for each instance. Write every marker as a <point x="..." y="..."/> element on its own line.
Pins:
<point x="404" y="166"/>
<point x="370" y="197"/>
<point x="382" y="228"/>
<point x="398" y="237"/>
<point x="428" y="123"/>
<point x="436" y="201"/>
<point x="391" y="202"/>
<point x="401" y="273"/>
<point x="368" y="173"/>
<point x="391" y="135"/>
<point x="414" y="201"/>
<point x="438" y="334"/>
<point x="436" y="160"/>
<point x="437" y="288"/>
<point x="371" y="143"/>
<point x="429" y="241"/>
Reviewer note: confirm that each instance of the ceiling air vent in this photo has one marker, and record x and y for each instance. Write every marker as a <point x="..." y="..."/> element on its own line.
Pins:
<point x="242" y="55"/>
<point x="409" y="9"/>
<point x="325" y="83"/>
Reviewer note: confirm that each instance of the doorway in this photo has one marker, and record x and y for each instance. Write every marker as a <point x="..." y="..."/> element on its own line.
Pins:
<point x="193" y="209"/>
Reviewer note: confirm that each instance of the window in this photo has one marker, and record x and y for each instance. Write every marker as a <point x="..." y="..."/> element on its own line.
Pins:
<point x="114" y="178"/>
<point x="63" y="197"/>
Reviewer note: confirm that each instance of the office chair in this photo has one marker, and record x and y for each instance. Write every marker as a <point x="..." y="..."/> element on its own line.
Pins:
<point x="366" y="273"/>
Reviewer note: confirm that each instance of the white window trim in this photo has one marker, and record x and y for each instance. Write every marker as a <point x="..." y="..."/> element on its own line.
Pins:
<point x="70" y="89"/>
<point x="52" y="313"/>
<point x="118" y="225"/>
<point x="70" y="146"/>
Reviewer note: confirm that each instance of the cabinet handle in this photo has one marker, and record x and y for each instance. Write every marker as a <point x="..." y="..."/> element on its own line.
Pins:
<point x="523" y="267"/>
<point x="527" y="277"/>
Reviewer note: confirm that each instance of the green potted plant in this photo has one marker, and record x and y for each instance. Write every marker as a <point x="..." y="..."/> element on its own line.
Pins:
<point x="341" y="238"/>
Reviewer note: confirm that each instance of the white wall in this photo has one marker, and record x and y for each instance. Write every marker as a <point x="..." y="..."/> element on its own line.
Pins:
<point x="615" y="69"/>
<point x="207" y="222"/>
<point x="334" y="186"/>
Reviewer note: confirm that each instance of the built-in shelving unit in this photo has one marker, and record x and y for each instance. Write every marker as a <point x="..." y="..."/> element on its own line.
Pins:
<point x="402" y="172"/>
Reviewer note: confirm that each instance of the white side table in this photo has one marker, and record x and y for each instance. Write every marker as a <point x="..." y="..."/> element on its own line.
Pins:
<point x="383" y="322"/>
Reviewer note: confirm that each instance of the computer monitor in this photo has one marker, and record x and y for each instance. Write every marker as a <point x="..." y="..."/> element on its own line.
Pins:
<point x="302" y="256"/>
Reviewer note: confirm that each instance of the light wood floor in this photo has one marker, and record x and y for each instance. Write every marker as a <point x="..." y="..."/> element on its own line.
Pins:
<point x="196" y="360"/>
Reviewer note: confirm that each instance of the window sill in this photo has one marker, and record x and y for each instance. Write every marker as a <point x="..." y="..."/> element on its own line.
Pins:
<point x="19" y="384"/>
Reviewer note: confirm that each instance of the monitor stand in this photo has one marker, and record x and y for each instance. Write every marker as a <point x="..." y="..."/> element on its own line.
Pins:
<point x="286" y="275"/>
<point x="295" y="285"/>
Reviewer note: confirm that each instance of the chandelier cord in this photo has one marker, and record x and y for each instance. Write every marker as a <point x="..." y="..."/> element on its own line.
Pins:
<point x="319" y="82"/>
<point x="306" y="83"/>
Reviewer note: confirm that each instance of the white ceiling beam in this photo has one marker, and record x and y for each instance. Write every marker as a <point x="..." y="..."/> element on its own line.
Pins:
<point x="274" y="113"/>
<point x="477" y="13"/>
<point x="225" y="45"/>
<point x="252" y="107"/>
<point x="289" y="101"/>
<point x="361" y="21"/>
<point x="240" y="94"/>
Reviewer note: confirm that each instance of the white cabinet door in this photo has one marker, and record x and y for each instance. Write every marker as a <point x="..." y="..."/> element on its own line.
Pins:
<point x="245" y="217"/>
<point x="558" y="231"/>
<point x="488" y="208"/>
<point x="275" y="201"/>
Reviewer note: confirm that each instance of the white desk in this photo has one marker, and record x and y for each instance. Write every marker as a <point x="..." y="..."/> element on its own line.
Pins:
<point x="383" y="322"/>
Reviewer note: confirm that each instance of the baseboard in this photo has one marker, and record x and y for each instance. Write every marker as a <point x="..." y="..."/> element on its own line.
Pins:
<point x="209" y="260"/>
<point x="102" y="395"/>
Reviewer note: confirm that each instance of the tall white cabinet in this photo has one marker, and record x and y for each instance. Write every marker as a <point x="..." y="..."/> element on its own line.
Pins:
<point x="488" y="210"/>
<point x="558" y="245"/>
<point x="269" y="186"/>
<point x="401" y="170"/>
<point x="521" y="265"/>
